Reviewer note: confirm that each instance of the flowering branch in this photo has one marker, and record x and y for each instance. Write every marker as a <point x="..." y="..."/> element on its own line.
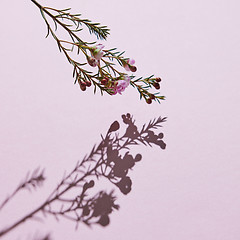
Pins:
<point x="107" y="78"/>
<point x="111" y="160"/>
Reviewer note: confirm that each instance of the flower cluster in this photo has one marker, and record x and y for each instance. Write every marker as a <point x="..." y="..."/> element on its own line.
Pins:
<point x="114" y="85"/>
<point x="102" y="60"/>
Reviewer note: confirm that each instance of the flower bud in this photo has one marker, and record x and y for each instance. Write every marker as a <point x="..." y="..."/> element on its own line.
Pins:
<point x="156" y="85"/>
<point x="149" y="101"/>
<point x="83" y="88"/>
<point x="104" y="81"/>
<point x="82" y="85"/>
<point x="92" y="61"/>
<point x="97" y="52"/>
<point x="133" y="68"/>
<point x="158" y="79"/>
<point x="128" y="65"/>
<point x="88" y="83"/>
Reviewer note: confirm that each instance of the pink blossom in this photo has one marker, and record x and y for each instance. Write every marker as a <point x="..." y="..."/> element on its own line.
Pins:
<point x="114" y="91"/>
<point x="129" y="65"/>
<point x="97" y="52"/>
<point x="121" y="85"/>
<point x="127" y="79"/>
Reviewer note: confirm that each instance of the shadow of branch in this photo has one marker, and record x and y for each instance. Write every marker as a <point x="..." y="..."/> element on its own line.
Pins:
<point x="110" y="159"/>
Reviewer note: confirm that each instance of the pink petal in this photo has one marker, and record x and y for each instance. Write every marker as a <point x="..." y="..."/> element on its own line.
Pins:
<point x="131" y="61"/>
<point x="98" y="55"/>
<point x="100" y="46"/>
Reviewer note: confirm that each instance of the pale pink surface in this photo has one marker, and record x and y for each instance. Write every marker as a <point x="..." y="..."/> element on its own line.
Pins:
<point x="190" y="190"/>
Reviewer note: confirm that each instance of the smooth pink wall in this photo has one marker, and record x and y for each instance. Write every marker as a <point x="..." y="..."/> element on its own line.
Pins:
<point x="190" y="190"/>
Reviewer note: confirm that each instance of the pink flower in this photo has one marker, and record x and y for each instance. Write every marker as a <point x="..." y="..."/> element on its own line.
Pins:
<point x="127" y="79"/>
<point x="121" y="85"/>
<point x="129" y="65"/>
<point x="114" y="91"/>
<point x="97" y="52"/>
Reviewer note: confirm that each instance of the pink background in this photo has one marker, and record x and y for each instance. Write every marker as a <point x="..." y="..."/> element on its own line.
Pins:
<point x="190" y="190"/>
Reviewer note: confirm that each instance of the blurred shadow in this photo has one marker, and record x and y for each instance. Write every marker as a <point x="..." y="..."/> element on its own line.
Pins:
<point x="112" y="160"/>
<point x="46" y="237"/>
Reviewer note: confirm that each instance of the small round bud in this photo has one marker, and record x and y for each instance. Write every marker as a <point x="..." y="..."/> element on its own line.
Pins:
<point x="156" y="85"/>
<point x="158" y="79"/>
<point x="88" y="83"/>
<point x="149" y="101"/>
<point x="92" y="61"/>
<point x="104" y="81"/>
<point x="133" y="68"/>
<point x="83" y="87"/>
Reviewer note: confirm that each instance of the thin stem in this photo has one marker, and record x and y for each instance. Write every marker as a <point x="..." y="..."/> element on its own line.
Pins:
<point x="9" y="197"/>
<point x="41" y="207"/>
<point x="55" y="19"/>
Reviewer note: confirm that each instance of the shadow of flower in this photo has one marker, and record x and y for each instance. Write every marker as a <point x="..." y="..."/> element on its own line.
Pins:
<point x="111" y="160"/>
